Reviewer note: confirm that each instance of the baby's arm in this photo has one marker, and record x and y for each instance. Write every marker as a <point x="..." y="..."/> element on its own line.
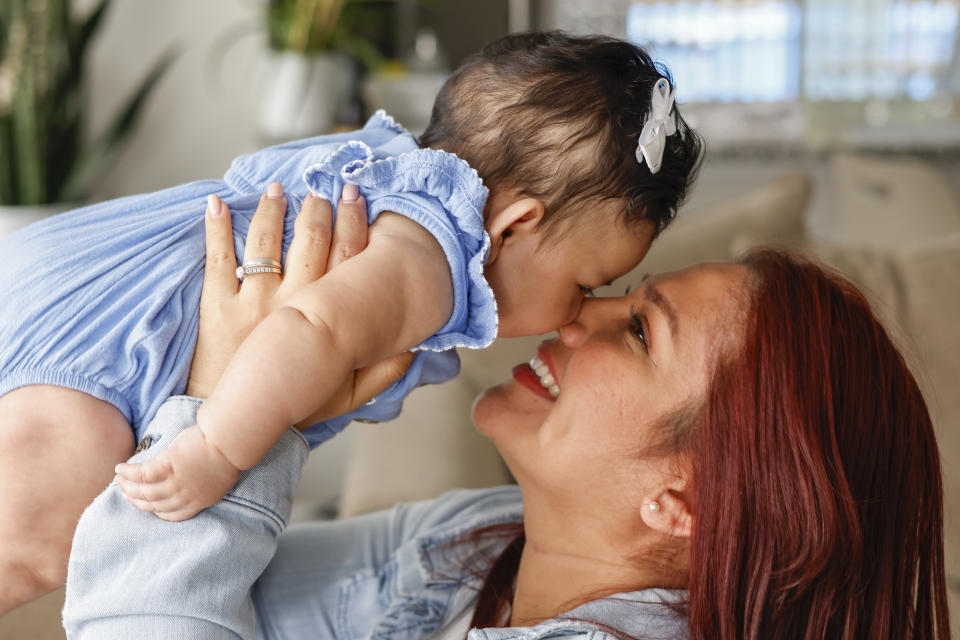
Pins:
<point x="389" y="298"/>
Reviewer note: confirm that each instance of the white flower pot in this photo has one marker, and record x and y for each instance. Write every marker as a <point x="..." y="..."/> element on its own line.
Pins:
<point x="299" y="94"/>
<point x="13" y="217"/>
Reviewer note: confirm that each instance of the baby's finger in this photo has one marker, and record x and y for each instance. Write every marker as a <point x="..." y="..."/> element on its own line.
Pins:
<point x="146" y="492"/>
<point x="147" y="472"/>
<point x="143" y="505"/>
<point x="170" y="509"/>
<point x="350" y="229"/>
<point x="134" y="495"/>
<point x="219" y="272"/>
<point x="307" y="257"/>
<point x="264" y="239"/>
<point x="177" y="515"/>
<point x="131" y="490"/>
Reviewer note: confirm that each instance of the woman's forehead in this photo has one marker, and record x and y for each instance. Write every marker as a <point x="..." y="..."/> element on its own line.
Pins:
<point x="705" y="295"/>
<point x="703" y="279"/>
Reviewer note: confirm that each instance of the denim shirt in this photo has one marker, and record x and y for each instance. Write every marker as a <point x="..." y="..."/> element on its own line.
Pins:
<point x="229" y="573"/>
<point x="105" y="299"/>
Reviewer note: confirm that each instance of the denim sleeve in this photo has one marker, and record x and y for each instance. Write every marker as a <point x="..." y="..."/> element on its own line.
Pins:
<point x="133" y="575"/>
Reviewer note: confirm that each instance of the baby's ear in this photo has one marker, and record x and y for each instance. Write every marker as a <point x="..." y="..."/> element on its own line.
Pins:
<point x="514" y="222"/>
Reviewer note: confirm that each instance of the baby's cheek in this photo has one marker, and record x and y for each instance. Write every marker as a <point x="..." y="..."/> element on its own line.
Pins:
<point x="569" y="312"/>
<point x="554" y="314"/>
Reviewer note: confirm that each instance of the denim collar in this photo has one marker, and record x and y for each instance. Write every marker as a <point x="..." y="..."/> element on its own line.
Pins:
<point x="425" y="600"/>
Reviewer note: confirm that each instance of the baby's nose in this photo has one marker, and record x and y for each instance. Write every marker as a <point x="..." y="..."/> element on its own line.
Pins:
<point x="593" y="314"/>
<point x="572" y="334"/>
<point x="575" y="332"/>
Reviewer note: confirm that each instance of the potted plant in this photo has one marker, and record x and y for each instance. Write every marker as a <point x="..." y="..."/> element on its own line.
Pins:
<point x="306" y="70"/>
<point x="47" y="163"/>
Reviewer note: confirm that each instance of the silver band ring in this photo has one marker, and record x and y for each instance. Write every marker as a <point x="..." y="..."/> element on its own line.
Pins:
<point x="259" y="265"/>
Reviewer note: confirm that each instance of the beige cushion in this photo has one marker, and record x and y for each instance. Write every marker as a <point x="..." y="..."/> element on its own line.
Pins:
<point x="886" y="202"/>
<point x="37" y="620"/>
<point x="769" y="212"/>
<point x="431" y="448"/>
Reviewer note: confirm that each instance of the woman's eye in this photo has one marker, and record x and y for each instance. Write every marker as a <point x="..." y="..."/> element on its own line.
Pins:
<point x="586" y="292"/>
<point x="636" y="327"/>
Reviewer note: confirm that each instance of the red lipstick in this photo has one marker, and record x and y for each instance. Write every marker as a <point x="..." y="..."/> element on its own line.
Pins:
<point x="523" y="374"/>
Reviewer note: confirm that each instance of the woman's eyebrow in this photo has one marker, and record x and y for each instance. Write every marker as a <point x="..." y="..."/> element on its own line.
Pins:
<point x="630" y="286"/>
<point x="654" y="295"/>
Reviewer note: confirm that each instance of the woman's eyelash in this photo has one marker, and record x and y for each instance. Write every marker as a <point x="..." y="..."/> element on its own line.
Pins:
<point x="586" y="291"/>
<point x="636" y="327"/>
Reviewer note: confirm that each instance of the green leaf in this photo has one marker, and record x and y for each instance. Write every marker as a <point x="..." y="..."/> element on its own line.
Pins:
<point x="101" y="155"/>
<point x="360" y="48"/>
<point x="78" y="37"/>
<point x="82" y="32"/>
<point x="28" y="139"/>
<point x="41" y="133"/>
<point x="8" y="168"/>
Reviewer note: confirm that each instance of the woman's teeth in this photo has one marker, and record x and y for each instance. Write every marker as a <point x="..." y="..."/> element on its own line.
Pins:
<point x="546" y="378"/>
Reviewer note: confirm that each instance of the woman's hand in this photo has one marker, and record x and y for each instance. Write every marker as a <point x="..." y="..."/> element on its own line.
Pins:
<point x="192" y="474"/>
<point x="230" y="310"/>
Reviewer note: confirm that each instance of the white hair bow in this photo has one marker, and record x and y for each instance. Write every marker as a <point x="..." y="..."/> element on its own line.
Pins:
<point x="659" y="125"/>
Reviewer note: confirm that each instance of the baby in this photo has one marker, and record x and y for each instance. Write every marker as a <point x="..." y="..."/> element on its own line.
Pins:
<point x="549" y="165"/>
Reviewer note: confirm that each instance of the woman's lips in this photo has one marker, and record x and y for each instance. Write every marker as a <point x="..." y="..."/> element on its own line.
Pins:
<point x="544" y="354"/>
<point x="532" y="379"/>
<point x="524" y="375"/>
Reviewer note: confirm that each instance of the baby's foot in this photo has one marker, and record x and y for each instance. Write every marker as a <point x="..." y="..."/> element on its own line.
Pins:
<point x="188" y="477"/>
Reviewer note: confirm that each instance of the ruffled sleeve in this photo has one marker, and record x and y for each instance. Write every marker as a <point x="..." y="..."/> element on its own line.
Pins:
<point x="443" y="194"/>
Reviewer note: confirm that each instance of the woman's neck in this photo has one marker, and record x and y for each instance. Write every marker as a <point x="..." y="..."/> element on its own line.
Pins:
<point x="556" y="574"/>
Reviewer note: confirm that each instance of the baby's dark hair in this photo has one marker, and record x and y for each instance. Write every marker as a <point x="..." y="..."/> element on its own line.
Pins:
<point x="558" y="117"/>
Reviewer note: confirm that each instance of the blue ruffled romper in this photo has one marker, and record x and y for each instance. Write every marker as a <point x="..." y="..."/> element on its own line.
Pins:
<point x="105" y="299"/>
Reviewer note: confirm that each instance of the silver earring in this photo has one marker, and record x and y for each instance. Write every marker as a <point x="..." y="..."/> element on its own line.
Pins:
<point x="653" y="506"/>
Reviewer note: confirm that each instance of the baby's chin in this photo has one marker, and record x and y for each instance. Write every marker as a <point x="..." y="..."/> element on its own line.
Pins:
<point x="518" y="326"/>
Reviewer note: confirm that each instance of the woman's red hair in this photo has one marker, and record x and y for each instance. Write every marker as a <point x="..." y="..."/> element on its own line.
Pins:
<point x="819" y="501"/>
<point x="819" y="510"/>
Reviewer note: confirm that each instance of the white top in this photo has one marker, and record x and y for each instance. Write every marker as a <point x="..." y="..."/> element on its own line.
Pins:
<point x="458" y="627"/>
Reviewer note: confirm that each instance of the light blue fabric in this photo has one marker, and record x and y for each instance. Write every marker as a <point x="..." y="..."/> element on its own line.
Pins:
<point x="394" y="574"/>
<point x="104" y="299"/>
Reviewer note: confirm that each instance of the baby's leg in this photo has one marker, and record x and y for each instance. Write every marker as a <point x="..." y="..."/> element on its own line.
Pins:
<point x="58" y="448"/>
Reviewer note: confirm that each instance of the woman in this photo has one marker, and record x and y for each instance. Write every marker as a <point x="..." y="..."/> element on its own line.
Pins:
<point x="736" y="451"/>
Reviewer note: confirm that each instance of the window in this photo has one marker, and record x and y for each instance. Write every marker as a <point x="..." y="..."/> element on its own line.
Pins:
<point x="819" y="50"/>
<point x="724" y="52"/>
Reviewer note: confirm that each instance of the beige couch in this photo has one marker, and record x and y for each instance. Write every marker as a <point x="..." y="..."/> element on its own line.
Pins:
<point x="893" y="226"/>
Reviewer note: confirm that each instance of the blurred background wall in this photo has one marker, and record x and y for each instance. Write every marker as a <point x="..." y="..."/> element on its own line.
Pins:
<point x="204" y="112"/>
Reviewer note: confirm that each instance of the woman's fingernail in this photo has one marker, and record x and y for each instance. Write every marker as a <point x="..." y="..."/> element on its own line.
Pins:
<point x="214" y="206"/>
<point x="275" y="191"/>
<point x="350" y="193"/>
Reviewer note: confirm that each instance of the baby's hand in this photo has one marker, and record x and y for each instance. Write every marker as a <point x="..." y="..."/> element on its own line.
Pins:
<point x="188" y="477"/>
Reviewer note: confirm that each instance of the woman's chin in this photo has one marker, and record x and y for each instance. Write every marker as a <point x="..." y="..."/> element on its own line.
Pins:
<point x="508" y="409"/>
<point x="484" y="409"/>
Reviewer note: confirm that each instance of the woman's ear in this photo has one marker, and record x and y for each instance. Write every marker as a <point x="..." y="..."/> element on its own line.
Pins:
<point x="669" y="513"/>
<point x="513" y="222"/>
